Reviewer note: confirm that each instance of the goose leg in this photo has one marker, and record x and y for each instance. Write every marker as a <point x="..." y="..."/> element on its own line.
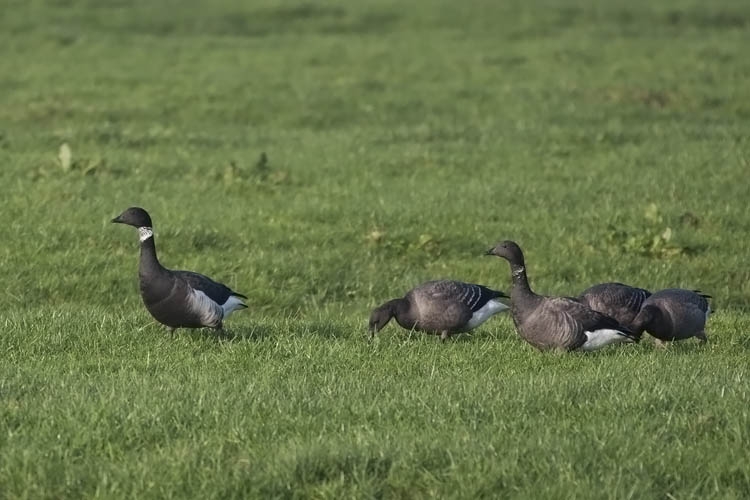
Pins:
<point x="660" y="344"/>
<point x="170" y="330"/>
<point x="444" y="336"/>
<point x="702" y="337"/>
<point x="221" y="333"/>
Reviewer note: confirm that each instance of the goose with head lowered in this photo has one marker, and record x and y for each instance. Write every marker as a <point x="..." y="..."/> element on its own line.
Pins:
<point x="441" y="307"/>
<point x="560" y="323"/>
<point x="177" y="299"/>
<point x="618" y="301"/>
<point x="674" y="314"/>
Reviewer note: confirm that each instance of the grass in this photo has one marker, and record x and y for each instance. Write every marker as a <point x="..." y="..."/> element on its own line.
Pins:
<point x="400" y="141"/>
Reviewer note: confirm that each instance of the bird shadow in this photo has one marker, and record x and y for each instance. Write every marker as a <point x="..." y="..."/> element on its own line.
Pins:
<point x="321" y="329"/>
<point x="417" y="336"/>
<point x="260" y="332"/>
<point x="254" y="333"/>
<point x="677" y="348"/>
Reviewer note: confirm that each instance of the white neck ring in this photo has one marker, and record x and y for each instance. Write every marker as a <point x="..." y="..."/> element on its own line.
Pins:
<point x="145" y="233"/>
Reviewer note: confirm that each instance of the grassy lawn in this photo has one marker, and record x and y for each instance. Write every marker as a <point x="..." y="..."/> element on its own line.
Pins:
<point x="401" y="140"/>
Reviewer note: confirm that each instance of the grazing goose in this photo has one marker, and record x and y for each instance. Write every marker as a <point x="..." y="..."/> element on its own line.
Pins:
<point x="177" y="299"/>
<point x="674" y="314"/>
<point x="440" y="307"/>
<point x="555" y="322"/>
<point x="618" y="301"/>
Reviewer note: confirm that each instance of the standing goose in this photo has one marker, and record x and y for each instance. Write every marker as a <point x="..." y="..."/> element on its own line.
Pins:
<point x="674" y="314"/>
<point x="555" y="322"/>
<point x="440" y="307"/>
<point x="618" y="301"/>
<point x="177" y="299"/>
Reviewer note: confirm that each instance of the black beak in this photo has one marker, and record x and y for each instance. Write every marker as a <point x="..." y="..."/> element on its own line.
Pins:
<point x="117" y="220"/>
<point x="489" y="252"/>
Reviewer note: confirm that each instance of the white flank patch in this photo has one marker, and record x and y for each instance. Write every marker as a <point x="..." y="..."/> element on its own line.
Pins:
<point x="601" y="338"/>
<point x="232" y="304"/>
<point x="488" y="310"/>
<point x="209" y="312"/>
<point x="145" y="233"/>
<point x="708" y="313"/>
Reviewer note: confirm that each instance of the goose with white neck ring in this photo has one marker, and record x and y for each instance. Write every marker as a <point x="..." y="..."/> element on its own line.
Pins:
<point x="555" y="322"/>
<point x="177" y="299"/>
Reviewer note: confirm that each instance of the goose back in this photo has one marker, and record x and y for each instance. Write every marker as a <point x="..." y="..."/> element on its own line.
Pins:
<point x="685" y="313"/>
<point x="564" y="323"/>
<point x="447" y="305"/>
<point x="617" y="300"/>
<point x="554" y="322"/>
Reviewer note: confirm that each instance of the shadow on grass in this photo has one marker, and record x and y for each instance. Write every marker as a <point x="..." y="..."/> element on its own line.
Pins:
<point x="254" y="333"/>
<point x="323" y="330"/>
<point x="412" y="336"/>
<point x="260" y="332"/>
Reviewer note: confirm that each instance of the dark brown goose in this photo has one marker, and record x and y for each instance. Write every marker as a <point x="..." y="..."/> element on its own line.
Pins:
<point x="177" y="299"/>
<point x="441" y="307"/>
<point x="616" y="300"/>
<point x="555" y="322"/>
<point x="674" y="314"/>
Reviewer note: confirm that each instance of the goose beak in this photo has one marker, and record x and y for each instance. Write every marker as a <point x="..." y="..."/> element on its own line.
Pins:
<point x="489" y="252"/>
<point x="117" y="220"/>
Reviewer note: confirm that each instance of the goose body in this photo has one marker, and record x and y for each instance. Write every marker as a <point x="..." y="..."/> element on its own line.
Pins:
<point x="177" y="299"/>
<point x="674" y="314"/>
<point x="618" y="301"/>
<point x="555" y="322"/>
<point x="441" y="307"/>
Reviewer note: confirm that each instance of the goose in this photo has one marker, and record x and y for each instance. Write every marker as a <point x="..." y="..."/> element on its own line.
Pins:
<point x="441" y="307"/>
<point x="177" y="299"/>
<point x="555" y="322"/>
<point x="618" y="301"/>
<point x="674" y="314"/>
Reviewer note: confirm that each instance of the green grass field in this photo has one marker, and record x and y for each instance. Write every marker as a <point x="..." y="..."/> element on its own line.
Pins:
<point x="610" y="139"/>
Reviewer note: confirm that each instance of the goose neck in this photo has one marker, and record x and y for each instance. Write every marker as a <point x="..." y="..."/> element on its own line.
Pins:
<point x="399" y="307"/>
<point x="149" y="262"/>
<point x="519" y="278"/>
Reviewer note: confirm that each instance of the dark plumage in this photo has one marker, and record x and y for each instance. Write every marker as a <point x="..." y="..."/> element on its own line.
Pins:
<point x="440" y="307"/>
<point x="674" y="314"/>
<point x="616" y="300"/>
<point x="177" y="299"/>
<point x="555" y="322"/>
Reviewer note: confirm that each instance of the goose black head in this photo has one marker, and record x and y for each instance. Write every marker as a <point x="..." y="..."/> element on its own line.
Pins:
<point x="650" y="319"/>
<point x="134" y="216"/>
<point x="508" y="250"/>
<point x="380" y="317"/>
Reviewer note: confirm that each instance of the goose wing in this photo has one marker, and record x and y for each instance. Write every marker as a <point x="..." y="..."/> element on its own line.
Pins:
<point x="621" y="302"/>
<point x="472" y="296"/>
<point x="561" y="322"/>
<point x="218" y="292"/>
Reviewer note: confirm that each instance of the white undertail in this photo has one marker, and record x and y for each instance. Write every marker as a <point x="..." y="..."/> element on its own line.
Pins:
<point x="488" y="310"/>
<point x="601" y="338"/>
<point x="232" y="304"/>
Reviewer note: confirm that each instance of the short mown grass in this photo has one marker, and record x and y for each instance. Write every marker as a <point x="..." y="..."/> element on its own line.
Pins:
<point x="323" y="157"/>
